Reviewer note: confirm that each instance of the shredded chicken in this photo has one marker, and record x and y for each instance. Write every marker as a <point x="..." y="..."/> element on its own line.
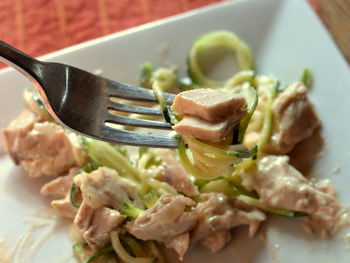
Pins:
<point x="216" y="241"/>
<point x="42" y="147"/>
<point x="328" y="219"/>
<point x="60" y="188"/>
<point x="96" y="224"/>
<point x="174" y="174"/>
<point x="281" y="185"/>
<point x="180" y="244"/>
<point x="218" y="212"/>
<point x="15" y="132"/>
<point x="104" y="187"/>
<point x="165" y="221"/>
<point x="295" y="119"/>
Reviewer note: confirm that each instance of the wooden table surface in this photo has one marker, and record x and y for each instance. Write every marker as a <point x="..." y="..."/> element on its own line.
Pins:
<point x="336" y="16"/>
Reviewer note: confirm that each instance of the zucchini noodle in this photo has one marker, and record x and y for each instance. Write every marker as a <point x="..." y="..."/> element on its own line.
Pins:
<point x="133" y="244"/>
<point x="269" y="88"/>
<point x="186" y="163"/>
<point x="150" y="198"/>
<point x="146" y="76"/>
<point x="220" y="186"/>
<point x="277" y="211"/>
<point x="231" y="154"/>
<point x="154" y="250"/>
<point x="74" y="190"/>
<point x="161" y="187"/>
<point x="123" y="254"/>
<point x="103" y="153"/>
<point x="158" y="92"/>
<point x="217" y="39"/>
<point x="240" y="78"/>
<point x="267" y="125"/>
<point x="148" y="167"/>
<point x="99" y="253"/>
<point x="244" y="122"/>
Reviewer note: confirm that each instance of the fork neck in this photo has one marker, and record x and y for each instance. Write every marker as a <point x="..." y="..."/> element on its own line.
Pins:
<point x="22" y="62"/>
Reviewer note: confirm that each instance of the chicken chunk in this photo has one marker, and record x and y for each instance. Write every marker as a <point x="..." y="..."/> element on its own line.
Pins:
<point x="218" y="212"/>
<point x="180" y="244"/>
<point x="165" y="220"/>
<point x="294" y="117"/>
<point x="281" y="185"/>
<point x="174" y="174"/>
<point x="216" y="241"/>
<point x="209" y="104"/>
<point x="96" y="224"/>
<point x="35" y="105"/>
<point x="201" y="129"/>
<point x="60" y="188"/>
<point x="64" y="207"/>
<point x="104" y="187"/>
<point x="16" y="131"/>
<point x="42" y="147"/>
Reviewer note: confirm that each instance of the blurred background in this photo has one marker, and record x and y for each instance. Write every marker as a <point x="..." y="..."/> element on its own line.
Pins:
<point x="42" y="26"/>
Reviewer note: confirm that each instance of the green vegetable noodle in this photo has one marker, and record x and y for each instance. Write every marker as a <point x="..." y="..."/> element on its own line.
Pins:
<point x="217" y="39"/>
<point x="131" y="211"/>
<point x="124" y="255"/>
<point x="104" y="154"/>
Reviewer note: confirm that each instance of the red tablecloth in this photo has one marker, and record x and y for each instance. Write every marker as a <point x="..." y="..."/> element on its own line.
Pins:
<point x="41" y="26"/>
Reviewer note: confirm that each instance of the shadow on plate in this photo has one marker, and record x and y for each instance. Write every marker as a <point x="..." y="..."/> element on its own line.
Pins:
<point x="306" y="153"/>
<point x="24" y="188"/>
<point x="241" y="249"/>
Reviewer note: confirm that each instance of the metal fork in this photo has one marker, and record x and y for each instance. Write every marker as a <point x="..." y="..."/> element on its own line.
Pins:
<point x="81" y="101"/>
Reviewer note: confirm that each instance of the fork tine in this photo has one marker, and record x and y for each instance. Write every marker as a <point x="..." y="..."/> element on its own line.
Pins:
<point x="136" y="122"/>
<point x="113" y="105"/>
<point x="124" y="91"/>
<point x="137" y="139"/>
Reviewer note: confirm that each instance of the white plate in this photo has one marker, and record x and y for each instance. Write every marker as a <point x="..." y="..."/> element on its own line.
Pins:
<point x="285" y="36"/>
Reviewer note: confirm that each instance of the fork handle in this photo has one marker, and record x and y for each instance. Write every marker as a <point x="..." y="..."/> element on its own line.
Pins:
<point x="27" y="65"/>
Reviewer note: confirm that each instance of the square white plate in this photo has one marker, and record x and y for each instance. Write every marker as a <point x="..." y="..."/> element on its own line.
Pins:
<point x="285" y="37"/>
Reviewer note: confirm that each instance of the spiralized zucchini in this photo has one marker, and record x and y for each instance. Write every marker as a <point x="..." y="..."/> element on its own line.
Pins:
<point x="217" y="39"/>
<point x="220" y="186"/>
<point x="268" y="88"/>
<point x="273" y="210"/>
<point x="72" y="196"/>
<point x="252" y="97"/>
<point x="99" y="253"/>
<point x="209" y="159"/>
<point x="124" y="255"/>
<point x="104" y="154"/>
